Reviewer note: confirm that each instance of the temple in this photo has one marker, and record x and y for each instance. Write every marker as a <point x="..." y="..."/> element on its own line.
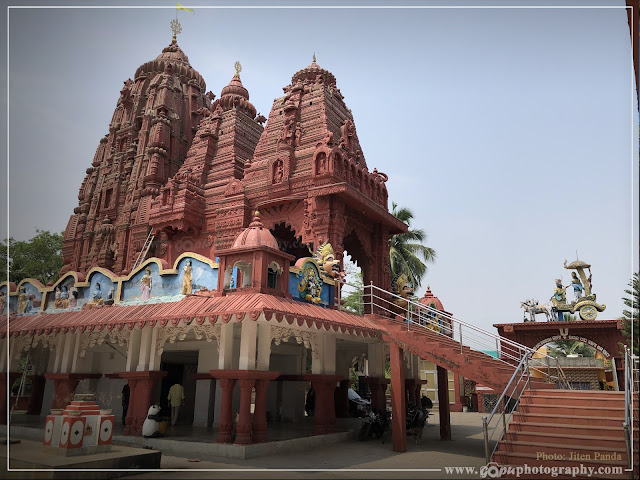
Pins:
<point x="206" y="250"/>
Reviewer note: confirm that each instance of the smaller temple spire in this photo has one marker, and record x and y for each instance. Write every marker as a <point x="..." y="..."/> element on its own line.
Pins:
<point x="238" y="68"/>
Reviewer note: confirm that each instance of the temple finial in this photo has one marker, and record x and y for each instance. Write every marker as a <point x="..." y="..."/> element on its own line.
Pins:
<point x="176" y="28"/>
<point x="314" y="57"/>
<point x="238" y="68"/>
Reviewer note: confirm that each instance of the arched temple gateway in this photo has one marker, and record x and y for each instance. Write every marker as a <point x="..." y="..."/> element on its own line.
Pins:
<point x="189" y="260"/>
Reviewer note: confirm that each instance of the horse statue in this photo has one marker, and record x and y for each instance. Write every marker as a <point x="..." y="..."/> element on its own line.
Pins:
<point x="532" y="308"/>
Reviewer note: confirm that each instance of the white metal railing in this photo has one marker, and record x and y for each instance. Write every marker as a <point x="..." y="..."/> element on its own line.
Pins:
<point x="631" y="382"/>
<point x="417" y="316"/>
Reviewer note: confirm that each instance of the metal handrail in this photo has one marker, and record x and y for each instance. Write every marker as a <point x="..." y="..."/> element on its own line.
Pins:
<point x="523" y="367"/>
<point x="631" y="378"/>
<point x="507" y="349"/>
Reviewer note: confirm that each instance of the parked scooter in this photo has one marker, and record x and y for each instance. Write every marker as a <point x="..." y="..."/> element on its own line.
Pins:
<point x="376" y="425"/>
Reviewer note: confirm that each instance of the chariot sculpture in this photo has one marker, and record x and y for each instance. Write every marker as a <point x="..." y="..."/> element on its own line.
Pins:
<point x="585" y="300"/>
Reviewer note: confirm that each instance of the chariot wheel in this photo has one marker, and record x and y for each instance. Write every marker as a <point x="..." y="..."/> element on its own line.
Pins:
<point x="588" y="312"/>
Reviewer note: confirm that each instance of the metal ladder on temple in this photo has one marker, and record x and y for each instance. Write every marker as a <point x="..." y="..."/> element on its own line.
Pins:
<point x="144" y="251"/>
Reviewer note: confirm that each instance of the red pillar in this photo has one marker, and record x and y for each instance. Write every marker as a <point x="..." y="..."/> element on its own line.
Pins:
<point x="443" y="404"/>
<point x="341" y="399"/>
<point x="459" y="396"/>
<point x="141" y="385"/>
<point x="243" y="427"/>
<point x="64" y="385"/>
<point x="324" y="416"/>
<point x="374" y="388"/>
<point x="260" y="412"/>
<point x="398" y="407"/>
<point x="37" y="393"/>
<point x="226" y="422"/>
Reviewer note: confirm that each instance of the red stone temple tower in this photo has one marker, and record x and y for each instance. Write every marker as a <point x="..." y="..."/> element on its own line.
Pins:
<point x="151" y="130"/>
<point x="190" y="173"/>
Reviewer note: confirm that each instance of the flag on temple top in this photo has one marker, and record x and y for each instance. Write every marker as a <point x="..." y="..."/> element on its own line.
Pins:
<point x="180" y="7"/>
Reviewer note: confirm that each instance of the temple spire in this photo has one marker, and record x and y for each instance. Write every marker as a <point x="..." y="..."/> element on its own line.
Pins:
<point x="238" y="68"/>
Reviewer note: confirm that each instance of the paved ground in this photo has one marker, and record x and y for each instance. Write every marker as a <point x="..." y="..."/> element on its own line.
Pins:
<point x="465" y="450"/>
<point x="346" y="460"/>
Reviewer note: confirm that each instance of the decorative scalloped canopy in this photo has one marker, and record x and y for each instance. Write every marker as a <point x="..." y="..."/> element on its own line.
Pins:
<point x="256" y="235"/>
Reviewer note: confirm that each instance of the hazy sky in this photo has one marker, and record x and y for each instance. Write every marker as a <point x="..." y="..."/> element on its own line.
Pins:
<point x="508" y="132"/>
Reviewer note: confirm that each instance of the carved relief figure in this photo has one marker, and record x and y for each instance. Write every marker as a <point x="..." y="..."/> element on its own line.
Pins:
<point x="278" y="171"/>
<point x="325" y="256"/>
<point x="348" y="131"/>
<point x="187" y="278"/>
<point x="109" y="300"/>
<point x="145" y="285"/>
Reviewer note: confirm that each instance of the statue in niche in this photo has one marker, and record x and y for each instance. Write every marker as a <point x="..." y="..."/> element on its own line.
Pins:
<point x="278" y="171"/>
<point x="109" y="300"/>
<point x="73" y="297"/>
<point x="96" y="295"/>
<point x="22" y="300"/>
<point x="57" y="302"/>
<point x="187" y="278"/>
<point x="64" y="297"/>
<point x="145" y="285"/>
<point x="321" y="165"/>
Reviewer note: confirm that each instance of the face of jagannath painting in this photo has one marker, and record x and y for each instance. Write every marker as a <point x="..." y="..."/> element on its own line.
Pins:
<point x="327" y="260"/>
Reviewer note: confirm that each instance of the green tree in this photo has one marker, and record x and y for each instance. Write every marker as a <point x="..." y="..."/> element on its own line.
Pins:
<point x="629" y="316"/>
<point x="562" y="348"/>
<point x="407" y="254"/>
<point x="352" y="301"/>
<point x="39" y="258"/>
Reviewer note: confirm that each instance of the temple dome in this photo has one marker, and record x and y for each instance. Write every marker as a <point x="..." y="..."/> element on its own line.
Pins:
<point x="256" y="235"/>
<point x="234" y="95"/>
<point x="312" y="74"/>
<point x="235" y="87"/>
<point x="174" y="53"/>
<point x="430" y="300"/>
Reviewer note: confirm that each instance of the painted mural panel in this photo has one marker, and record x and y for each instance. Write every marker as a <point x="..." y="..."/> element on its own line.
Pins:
<point x="66" y="296"/>
<point x="148" y="285"/>
<point x="308" y="285"/>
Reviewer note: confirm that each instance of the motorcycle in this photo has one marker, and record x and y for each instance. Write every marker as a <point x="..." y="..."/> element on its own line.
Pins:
<point x="376" y="425"/>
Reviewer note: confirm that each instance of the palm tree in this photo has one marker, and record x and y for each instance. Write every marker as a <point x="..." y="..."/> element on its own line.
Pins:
<point x="629" y="316"/>
<point x="407" y="252"/>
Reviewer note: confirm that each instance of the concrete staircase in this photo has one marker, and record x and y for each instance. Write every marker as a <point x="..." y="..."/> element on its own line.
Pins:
<point x="447" y="353"/>
<point x="567" y="428"/>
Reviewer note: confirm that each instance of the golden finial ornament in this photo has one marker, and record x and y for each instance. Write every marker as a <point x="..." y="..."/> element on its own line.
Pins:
<point x="176" y="28"/>
<point x="314" y="57"/>
<point x="238" y="68"/>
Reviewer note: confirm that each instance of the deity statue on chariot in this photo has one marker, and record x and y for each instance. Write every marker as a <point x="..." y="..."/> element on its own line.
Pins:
<point x="584" y="300"/>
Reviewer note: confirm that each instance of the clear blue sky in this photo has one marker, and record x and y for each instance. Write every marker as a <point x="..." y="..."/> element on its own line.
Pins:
<point x="508" y="132"/>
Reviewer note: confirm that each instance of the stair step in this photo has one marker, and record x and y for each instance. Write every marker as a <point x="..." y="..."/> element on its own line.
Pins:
<point x="574" y="419"/>
<point x="570" y="411"/>
<point x="565" y="451"/>
<point x="587" y="430"/>
<point x="552" y="399"/>
<point x="590" y="393"/>
<point x="568" y="437"/>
